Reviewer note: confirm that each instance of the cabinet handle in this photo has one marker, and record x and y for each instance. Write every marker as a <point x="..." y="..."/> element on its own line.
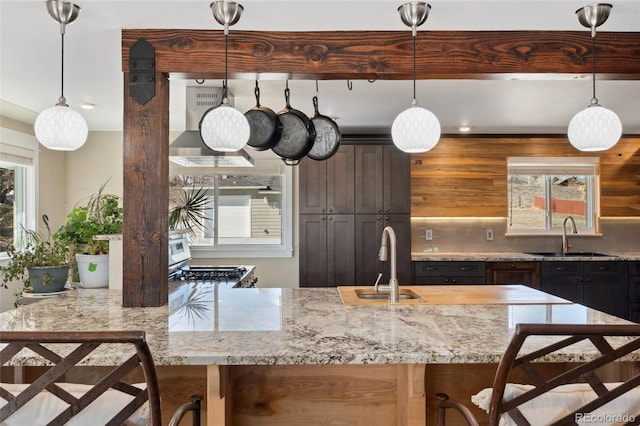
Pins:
<point x="386" y="218"/>
<point x="446" y="280"/>
<point x="323" y="210"/>
<point x="454" y="280"/>
<point x="379" y="210"/>
<point x="386" y="210"/>
<point x="331" y="210"/>
<point x="431" y="268"/>
<point x="331" y="218"/>
<point x="560" y="268"/>
<point x="580" y="280"/>
<point x="588" y="280"/>
<point x="604" y="268"/>
<point x="513" y="265"/>
<point x="379" y="217"/>
<point x="323" y="218"/>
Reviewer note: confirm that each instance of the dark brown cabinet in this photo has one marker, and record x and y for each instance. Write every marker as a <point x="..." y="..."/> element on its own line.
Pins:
<point x="526" y="273"/>
<point x="601" y="285"/>
<point x="382" y="180"/>
<point x="449" y="272"/>
<point x="355" y="194"/>
<point x="327" y="250"/>
<point x="634" y="290"/>
<point x="327" y="186"/>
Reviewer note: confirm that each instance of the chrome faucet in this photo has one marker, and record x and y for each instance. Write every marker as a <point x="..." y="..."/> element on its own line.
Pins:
<point x="383" y="255"/>
<point x="565" y="241"/>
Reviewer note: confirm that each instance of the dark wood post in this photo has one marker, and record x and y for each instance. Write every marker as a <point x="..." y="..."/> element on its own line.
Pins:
<point x="146" y="197"/>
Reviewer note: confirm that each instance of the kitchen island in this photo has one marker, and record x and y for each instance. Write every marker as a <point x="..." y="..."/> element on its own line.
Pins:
<point x="286" y="356"/>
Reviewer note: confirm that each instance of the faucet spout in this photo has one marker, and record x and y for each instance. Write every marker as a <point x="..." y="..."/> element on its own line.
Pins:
<point x="389" y="234"/>
<point x="565" y="240"/>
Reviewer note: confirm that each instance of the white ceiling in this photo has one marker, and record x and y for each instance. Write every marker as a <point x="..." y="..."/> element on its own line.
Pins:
<point x="30" y="63"/>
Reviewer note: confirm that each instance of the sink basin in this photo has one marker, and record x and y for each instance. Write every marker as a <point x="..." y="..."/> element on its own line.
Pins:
<point x="572" y="254"/>
<point x="369" y="294"/>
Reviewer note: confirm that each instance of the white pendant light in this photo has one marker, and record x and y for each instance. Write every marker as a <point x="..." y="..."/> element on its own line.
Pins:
<point x="60" y="127"/>
<point x="223" y="128"/>
<point x="595" y="128"/>
<point x="416" y="129"/>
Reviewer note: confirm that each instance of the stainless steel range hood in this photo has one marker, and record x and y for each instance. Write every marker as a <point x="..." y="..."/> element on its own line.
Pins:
<point x="188" y="150"/>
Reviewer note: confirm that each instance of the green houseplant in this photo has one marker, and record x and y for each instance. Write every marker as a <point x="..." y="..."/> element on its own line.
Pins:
<point x="101" y="215"/>
<point x="42" y="264"/>
<point x="188" y="206"/>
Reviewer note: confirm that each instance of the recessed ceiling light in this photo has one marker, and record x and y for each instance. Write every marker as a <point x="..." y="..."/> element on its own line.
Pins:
<point x="87" y="105"/>
<point x="464" y="129"/>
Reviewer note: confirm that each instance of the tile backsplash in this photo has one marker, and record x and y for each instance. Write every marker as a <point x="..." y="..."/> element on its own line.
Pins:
<point x="469" y="235"/>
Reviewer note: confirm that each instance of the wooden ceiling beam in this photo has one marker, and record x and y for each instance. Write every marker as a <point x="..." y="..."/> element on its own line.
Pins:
<point x="387" y="55"/>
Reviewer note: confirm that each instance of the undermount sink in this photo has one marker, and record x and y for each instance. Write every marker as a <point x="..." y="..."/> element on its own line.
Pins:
<point x="572" y="254"/>
<point x="403" y="294"/>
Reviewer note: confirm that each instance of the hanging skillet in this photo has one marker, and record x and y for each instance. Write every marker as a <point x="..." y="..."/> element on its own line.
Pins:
<point x="298" y="134"/>
<point x="328" y="135"/>
<point x="264" y="124"/>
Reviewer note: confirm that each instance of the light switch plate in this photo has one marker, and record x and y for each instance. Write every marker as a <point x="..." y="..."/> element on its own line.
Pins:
<point x="428" y="235"/>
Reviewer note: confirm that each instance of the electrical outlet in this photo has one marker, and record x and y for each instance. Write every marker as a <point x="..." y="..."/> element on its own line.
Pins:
<point x="489" y="234"/>
<point x="428" y="235"/>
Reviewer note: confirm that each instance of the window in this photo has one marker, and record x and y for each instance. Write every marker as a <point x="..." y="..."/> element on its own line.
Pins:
<point x="543" y="191"/>
<point x="246" y="212"/>
<point x="17" y="190"/>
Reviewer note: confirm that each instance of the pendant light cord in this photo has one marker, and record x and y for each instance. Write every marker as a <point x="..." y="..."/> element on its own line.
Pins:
<point x="226" y="64"/>
<point x="594" y="100"/>
<point x="414" y="70"/>
<point x="62" y="99"/>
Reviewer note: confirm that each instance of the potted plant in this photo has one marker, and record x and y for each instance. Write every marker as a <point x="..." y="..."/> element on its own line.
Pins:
<point x="42" y="264"/>
<point x="101" y="215"/>
<point x="188" y="206"/>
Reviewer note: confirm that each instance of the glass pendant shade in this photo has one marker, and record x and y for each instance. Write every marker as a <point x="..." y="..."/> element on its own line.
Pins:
<point x="415" y="130"/>
<point x="595" y="128"/>
<point x="223" y="128"/>
<point x="61" y="128"/>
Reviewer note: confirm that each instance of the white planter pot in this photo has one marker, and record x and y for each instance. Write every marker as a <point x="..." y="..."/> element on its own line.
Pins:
<point x="93" y="270"/>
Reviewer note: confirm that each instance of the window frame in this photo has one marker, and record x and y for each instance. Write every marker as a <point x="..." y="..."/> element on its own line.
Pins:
<point x="19" y="149"/>
<point x="553" y="166"/>
<point x="262" y="167"/>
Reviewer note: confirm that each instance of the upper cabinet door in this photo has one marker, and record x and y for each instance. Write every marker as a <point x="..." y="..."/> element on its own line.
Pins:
<point x="313" y="186"/>
<point x="397" y="180"/>
<point x="383" y="180"/>
<point x="340" y="178"/>
<point x="326" y="187"/>
<point x="369" y="195"/>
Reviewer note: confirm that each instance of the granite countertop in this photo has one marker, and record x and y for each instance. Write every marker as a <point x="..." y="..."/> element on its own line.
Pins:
<point x="520" y="257"/>
<point x="205" y="325"/>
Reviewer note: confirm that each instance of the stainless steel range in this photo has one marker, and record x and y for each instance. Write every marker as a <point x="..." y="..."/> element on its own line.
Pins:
<point x="235" y="276"/>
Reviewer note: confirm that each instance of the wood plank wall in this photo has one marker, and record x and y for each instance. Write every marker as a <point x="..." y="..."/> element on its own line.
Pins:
<point x="467" y="176"/>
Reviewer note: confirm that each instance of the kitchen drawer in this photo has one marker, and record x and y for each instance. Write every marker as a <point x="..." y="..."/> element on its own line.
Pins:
<point x="449" y="280"/>
<point x="604" y="267"/>
<point x="445" y="268"/>
<point x="560" y="268"/>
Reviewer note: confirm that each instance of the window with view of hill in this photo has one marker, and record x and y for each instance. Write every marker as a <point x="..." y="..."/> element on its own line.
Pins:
<point x="543" y="191"/>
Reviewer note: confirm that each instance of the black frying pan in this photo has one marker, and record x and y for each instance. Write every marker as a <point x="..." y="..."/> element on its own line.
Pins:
<point x="264" y="124"/>
<point x="328" y="135"/>
<point x="298" y="134"/>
